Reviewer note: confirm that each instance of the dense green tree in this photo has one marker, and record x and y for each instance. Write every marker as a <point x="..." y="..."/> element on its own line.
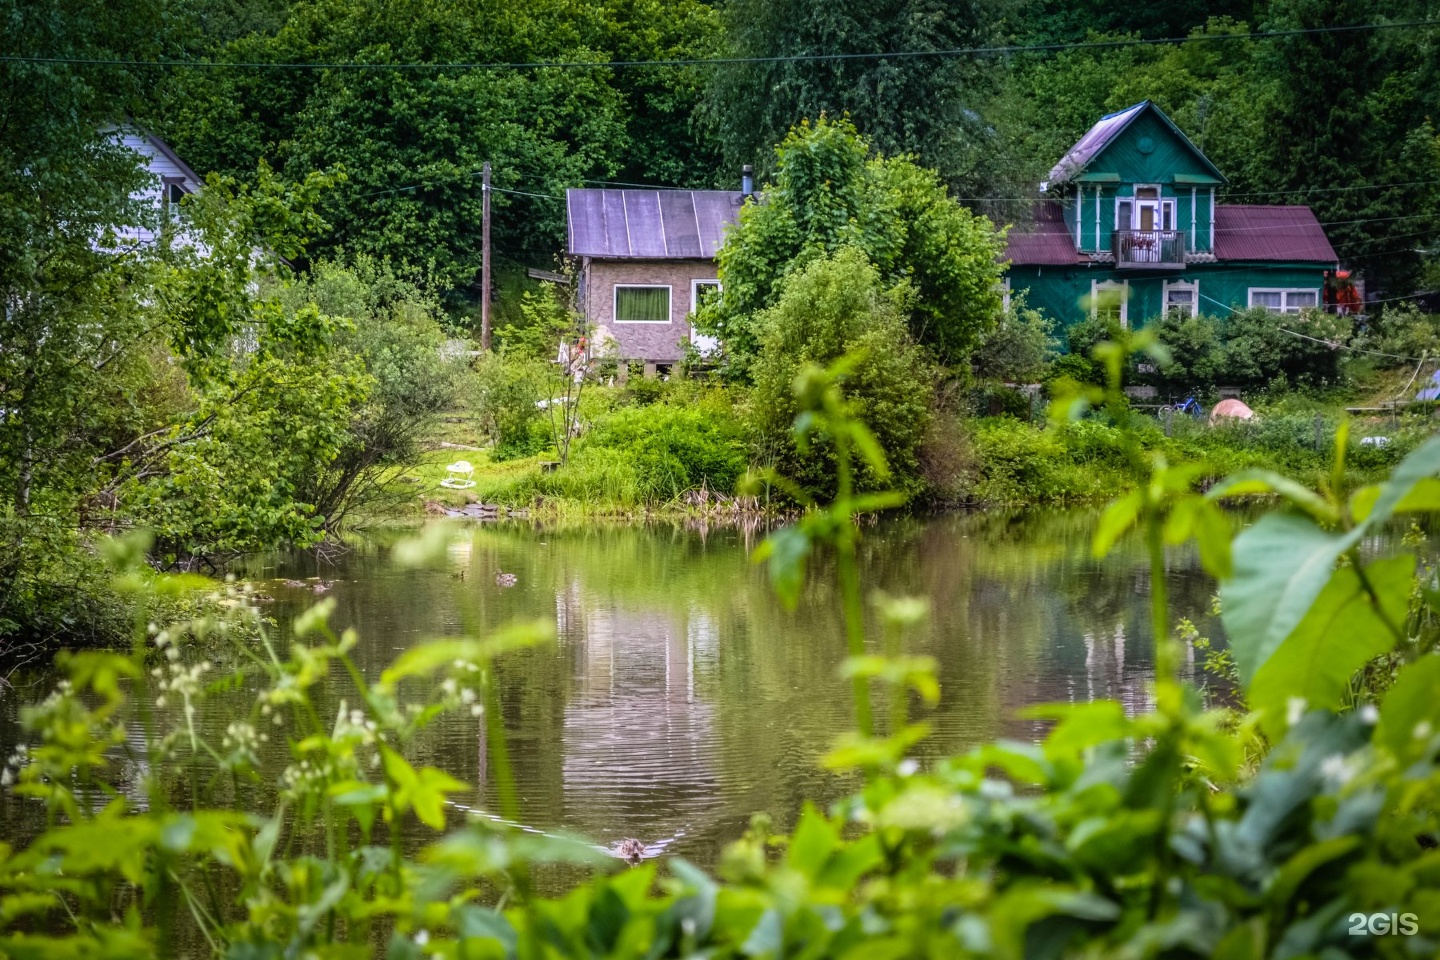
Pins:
<point x="1349" y="123"/>
<point x="920" y="105"/>
<point x="839" y="305"/>
<point x="413" y="140"/>
<point x="1056" y="21"/>
<point x="829" y="193"/>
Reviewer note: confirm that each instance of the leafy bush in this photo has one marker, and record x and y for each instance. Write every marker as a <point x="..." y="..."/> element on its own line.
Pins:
<point x="1259" y="352"/>
<point x="1403" y="330"/>
<point x="1031" y="463"/>
<point x="670" y="449"/>
<point x="507" y="394"/>
<point x="836" y="307"/>
<point x="830" y="194"/>
<point x="394" y="330"/>
<point x="1019" y="348"/>
<point x="1196" y="355"/>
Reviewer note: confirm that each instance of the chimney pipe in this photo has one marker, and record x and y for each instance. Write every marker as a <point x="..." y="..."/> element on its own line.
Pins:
<point x="747" y="180"/>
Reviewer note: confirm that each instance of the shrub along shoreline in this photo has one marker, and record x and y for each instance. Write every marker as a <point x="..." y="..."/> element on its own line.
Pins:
<point x="682" y="453"/>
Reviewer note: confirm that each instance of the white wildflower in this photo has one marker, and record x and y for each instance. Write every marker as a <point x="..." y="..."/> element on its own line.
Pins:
<point x="908" y="767"/>
<point x="1295" y="710"/>
<point x="1370" y="714"/>
<point x="1337" y="769"/>
<point x="1423" y="730"/>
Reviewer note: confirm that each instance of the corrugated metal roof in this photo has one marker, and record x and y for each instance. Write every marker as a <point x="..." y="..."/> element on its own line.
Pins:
<point x="1270" y="233"/>
<point x="1045" y="241"/>
<point x="650" y="224"/>
<point x="1097" y="138"/>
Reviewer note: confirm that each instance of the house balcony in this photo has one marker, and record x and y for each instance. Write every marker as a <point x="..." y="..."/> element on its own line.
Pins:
<point x="1150" y="249"/>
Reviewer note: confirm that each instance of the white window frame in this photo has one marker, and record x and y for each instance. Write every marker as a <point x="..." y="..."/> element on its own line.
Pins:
<point x="704" y="345"/>
<point x="1192" y="285"/>
<point x="1123" y="286"/>
<point x="1005" y="294"/>
<point x="615" y="301"/>
<point x="695" y="286"/>
<point x="1163" y="204"/>
<point x="1285" y="294"/>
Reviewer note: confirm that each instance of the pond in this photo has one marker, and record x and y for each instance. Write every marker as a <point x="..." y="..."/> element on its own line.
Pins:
<point x="681" y="697"/>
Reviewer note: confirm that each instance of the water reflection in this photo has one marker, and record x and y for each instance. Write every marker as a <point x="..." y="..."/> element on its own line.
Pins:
<point x="680" y="698"/>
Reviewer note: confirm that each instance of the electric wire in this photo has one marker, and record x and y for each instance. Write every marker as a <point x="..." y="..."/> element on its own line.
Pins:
<point x="999" y="50"/>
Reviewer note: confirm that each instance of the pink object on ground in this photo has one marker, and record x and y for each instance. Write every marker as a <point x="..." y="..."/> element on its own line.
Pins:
<point x="1231" y="408"/>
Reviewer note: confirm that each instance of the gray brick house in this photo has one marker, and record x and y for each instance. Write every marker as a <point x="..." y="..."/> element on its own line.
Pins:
<point x="646" y="259"/>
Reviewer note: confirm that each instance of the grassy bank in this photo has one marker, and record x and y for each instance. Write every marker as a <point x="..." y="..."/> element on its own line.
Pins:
<point x="683" y="451"/>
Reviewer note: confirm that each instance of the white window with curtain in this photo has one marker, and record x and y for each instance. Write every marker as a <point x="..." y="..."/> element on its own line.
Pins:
<point x="642" y="303"/>
<point x="1282" y="300"/>
<point x="1182" y="297"/>
<point x="1110" y="299"/>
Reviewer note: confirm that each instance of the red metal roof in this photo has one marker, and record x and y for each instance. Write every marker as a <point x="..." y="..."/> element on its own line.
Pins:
<point x="1045" y="241"/>
<point x="1270" y="233"/>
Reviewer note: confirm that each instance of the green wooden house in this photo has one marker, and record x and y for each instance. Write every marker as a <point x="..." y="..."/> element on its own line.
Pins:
<point x="1130" y="227"/>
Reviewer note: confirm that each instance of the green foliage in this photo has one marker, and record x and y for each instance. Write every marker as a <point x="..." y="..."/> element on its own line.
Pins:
<point x="234" y="473"/>
<point x="507" y="393"/>
<point x="413" y="141"/>
<point x="835" y="307"/>
<point x="1019" y="348"/>
<point x="830" y="193"/>
<point x="1196" y="358"/>
<point x="672" y="450"/>
<point x="1024" y="463"/>
<point x="1403" y="330"/>
<point x="920" y="106"/>
<point x="1120" y="834"/>
<point x="1258" y="350"/>
<point x="393" y="329"/>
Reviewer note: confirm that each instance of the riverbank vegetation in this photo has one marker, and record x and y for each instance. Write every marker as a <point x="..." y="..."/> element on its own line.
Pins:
<point x="295" y="351"/>
<point x="1176" y="829"/>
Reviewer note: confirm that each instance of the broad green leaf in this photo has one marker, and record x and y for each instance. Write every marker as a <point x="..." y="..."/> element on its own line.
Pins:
<point x="787" y="551"/>
<point x="1081" y="726"/>
<point x="422" y="790"/>
<point x="815" y="839"/>
<point x="1250" y="483"/>
<point x="1421" y="464"/>
<point x="1411" y="705"/>
<point x="437" y="654"/>
<point x="1423" y="498"/>
<point x="1280" y="566"/>
<point x="1118" y="518"/>
<point x="1342" y="631"/>
<point x="1305" y="862"/>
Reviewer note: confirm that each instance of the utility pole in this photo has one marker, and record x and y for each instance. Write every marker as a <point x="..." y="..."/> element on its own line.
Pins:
<point x="485" y="258"/>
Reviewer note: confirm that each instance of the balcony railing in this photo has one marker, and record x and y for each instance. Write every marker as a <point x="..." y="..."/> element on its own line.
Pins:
<point x="1150" y="249"/>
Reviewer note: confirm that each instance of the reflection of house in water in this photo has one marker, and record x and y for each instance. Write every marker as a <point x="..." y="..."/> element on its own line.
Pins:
<point x="640" y="748"/>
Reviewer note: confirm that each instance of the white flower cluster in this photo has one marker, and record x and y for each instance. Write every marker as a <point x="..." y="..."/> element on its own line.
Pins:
<point x="178" y="679"/>
<point x="464" y="694"/>
<point x="303" y="778"/>
<point x="13" y="765"/>
<point x="241" y="743"/>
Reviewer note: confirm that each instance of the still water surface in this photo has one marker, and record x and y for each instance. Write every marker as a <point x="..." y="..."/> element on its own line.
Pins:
<point x="681" y="698"/>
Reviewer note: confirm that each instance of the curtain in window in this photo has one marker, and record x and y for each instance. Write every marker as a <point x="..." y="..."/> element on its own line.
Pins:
<point x="642" y="305"/>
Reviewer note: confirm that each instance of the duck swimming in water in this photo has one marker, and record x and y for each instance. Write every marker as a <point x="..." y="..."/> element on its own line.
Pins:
<point x="505" y="579"/>
<point x="630" y="850"/>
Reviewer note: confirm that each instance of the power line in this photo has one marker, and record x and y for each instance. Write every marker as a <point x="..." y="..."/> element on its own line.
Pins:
<point x="726" y="61"/>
